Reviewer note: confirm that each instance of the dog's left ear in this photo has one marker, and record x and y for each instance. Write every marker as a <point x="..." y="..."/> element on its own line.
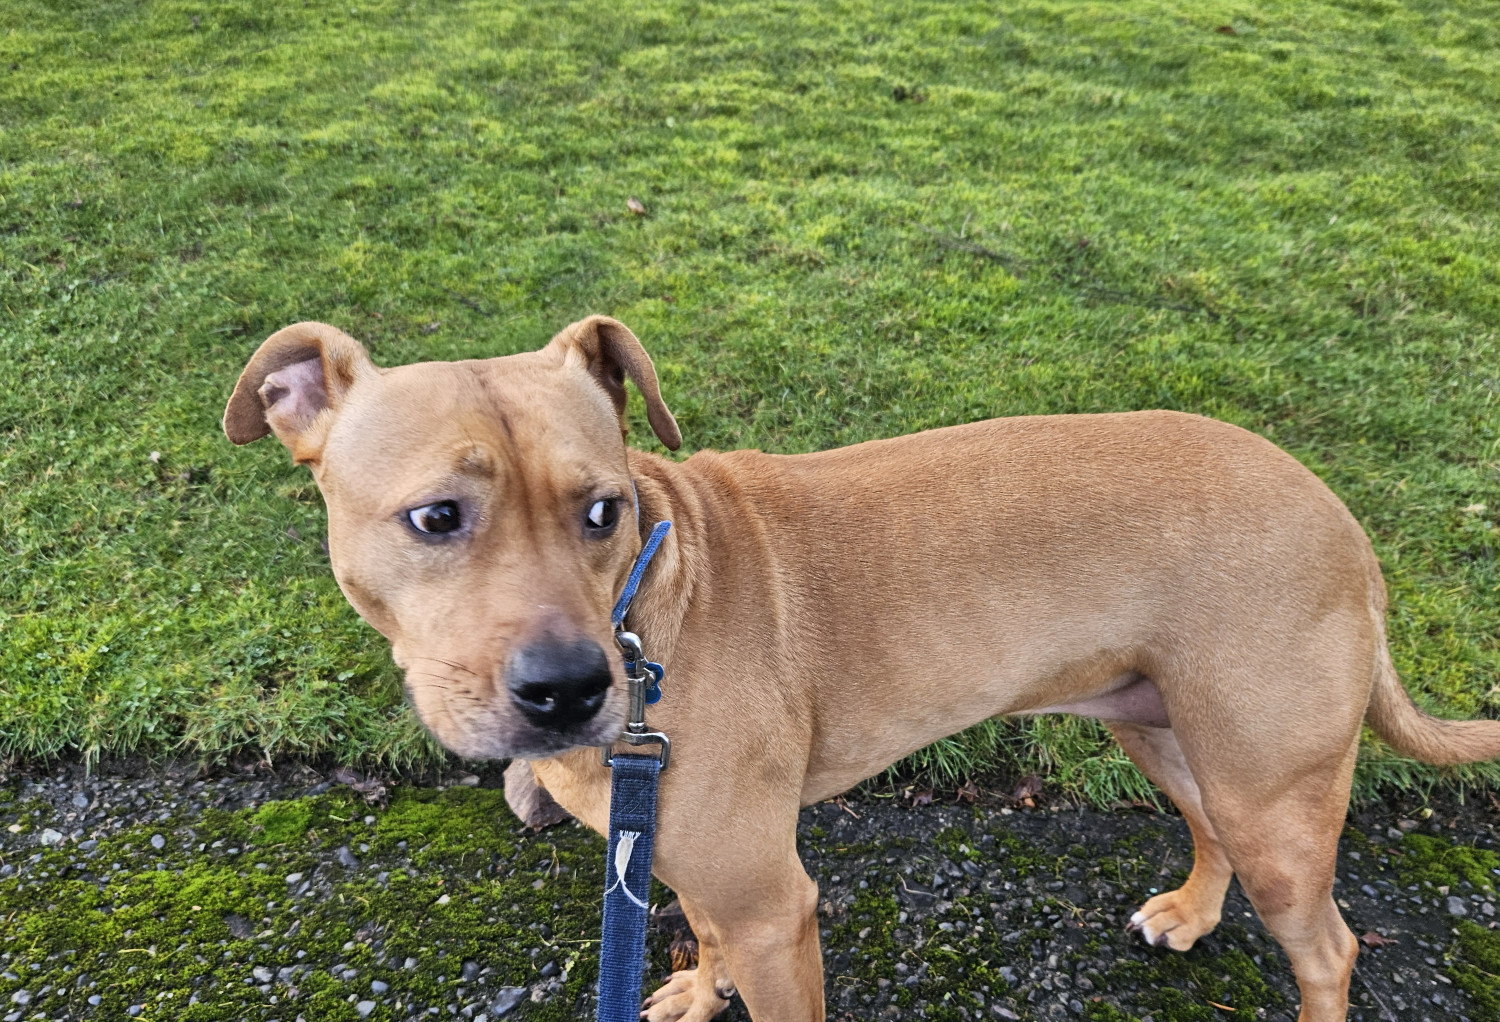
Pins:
<point x="611" y="353"/>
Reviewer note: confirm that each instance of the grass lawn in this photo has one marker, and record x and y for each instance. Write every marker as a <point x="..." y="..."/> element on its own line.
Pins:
<point x="862" y="218"/>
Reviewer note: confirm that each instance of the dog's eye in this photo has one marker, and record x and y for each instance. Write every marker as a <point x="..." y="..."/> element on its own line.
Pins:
<point x="603" y="513"/>
<point x="440" y="517"/>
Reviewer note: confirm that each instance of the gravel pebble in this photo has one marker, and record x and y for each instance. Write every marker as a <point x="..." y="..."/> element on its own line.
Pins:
<point x="506" y="999"/>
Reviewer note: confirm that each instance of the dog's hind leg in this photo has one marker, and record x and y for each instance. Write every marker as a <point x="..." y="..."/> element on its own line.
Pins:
<point x="1282" y="839"/>
<point x="1177" y="918"/>
<point x="694" y="995"/>
<point x="1274" y="765"/>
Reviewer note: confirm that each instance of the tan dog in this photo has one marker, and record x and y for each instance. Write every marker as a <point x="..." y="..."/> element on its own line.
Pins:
<point x="823" y="615"/>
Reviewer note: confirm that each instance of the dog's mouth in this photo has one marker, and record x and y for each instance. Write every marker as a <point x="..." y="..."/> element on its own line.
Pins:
<point x="499" y="728"/>
<point x="546" y="695"/>
<point x="540" y="743"/>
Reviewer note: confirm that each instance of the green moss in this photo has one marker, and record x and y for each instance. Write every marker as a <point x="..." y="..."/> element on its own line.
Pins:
<point x="870" y="925"/>
<point x="281" y="822"/>
<point x="1435" y="862"/>
<point x="1474" y="964"/>
<point x="1473" y="961"/>
<point x="453" y="827"/>
<point x="1178" y="987"/>
<point x="198" y="915"/>
<point x="953" y="843"/>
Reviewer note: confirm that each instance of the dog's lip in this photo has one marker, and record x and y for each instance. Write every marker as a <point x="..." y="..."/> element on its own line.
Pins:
<point x="541" y="743"/>
<point x="499" y="732"/>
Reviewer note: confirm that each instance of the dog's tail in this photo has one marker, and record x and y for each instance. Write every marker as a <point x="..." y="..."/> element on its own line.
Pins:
<point x="1413" y="733"/>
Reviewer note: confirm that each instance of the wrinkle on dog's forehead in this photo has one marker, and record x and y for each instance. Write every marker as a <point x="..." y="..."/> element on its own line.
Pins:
<point x="384" y="462"/>
<point x="415" y="425"/>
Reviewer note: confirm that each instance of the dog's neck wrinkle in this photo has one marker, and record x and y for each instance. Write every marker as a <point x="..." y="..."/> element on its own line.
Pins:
<point x="661" y="604"/>
<point x="709" y="513"/>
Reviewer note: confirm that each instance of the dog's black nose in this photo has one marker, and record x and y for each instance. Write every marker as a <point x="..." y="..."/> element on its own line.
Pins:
<point x="558" y="683"/>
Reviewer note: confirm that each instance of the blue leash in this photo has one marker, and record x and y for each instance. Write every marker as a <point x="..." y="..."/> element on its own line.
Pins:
<point x="632" y="818"/>
<point x="632" y="828"/>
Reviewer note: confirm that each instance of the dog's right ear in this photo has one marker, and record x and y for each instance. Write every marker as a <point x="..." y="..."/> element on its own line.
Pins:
<point x="294" y="376"/>
<point x="612" y="354"/>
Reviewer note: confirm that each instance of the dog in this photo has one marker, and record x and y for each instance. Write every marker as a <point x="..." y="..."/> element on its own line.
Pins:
<point x="820" y="616"/>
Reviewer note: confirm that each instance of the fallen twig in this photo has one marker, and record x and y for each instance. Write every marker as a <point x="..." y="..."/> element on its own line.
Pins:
<point x="1012" y="263"/>
<point x="1385" y="1010"/>
<point x="471" y="303"/>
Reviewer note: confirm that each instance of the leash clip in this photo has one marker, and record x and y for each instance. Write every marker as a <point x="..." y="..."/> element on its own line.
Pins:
<point x="643" y="685"/>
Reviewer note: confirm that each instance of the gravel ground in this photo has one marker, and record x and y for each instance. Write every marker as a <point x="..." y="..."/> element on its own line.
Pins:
<point x="295" y="895"/>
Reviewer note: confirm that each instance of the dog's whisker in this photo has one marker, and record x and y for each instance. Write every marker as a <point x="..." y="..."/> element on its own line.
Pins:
<point x="450" y="663"/>
<point x="440" y="681"/>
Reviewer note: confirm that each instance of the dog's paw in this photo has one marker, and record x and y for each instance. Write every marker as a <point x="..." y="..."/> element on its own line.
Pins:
<point x="687" y="996"/>
<point x="1173" y="920"/>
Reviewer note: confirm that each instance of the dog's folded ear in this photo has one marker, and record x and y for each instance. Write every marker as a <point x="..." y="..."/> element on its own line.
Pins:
<point x="611" y="353"/>
<point x="295" y="375"/>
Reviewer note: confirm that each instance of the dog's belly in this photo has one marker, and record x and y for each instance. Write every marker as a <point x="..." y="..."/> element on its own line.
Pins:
<point x="836" y="765"/>
<point x="1132" y="699"/>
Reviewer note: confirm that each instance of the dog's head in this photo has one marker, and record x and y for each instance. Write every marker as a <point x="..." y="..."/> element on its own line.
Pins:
<point x="480" y="515"/>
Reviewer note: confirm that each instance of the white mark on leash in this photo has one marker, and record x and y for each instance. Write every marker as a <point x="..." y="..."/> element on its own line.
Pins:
<point x="623" y="849"/>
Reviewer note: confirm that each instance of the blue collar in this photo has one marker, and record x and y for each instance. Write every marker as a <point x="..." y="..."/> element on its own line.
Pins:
<point x="653" y="542"/>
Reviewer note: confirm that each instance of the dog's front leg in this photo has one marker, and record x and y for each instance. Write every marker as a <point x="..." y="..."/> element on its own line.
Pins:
<point x="694" y="995"/>
<point x="761" y="913"/>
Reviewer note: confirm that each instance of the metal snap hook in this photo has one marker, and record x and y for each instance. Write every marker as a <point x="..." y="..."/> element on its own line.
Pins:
<point x="639" y="672"/>
<point x="630" y="647"/>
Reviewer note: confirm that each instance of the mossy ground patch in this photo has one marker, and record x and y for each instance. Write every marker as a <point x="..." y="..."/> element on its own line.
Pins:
<point x="205" y="901"/>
